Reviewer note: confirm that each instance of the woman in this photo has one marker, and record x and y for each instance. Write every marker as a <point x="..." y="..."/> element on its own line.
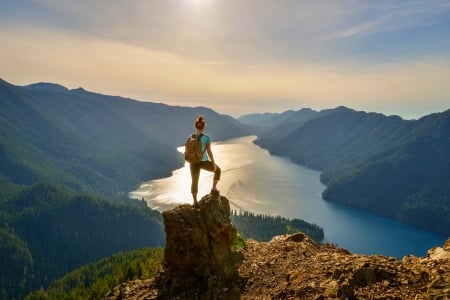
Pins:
<point x="207" y="162"/>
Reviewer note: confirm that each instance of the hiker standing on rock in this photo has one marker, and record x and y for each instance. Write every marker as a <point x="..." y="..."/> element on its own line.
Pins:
<point x="205" y="158"/>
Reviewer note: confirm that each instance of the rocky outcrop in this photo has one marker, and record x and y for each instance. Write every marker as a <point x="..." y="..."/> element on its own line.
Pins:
<point x="199" y="259"/>
<point x="200" y="263"/>
<point x="297" y="268"/>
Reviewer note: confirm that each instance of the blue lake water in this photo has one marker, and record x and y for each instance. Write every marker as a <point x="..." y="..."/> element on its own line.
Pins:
<point x="253" y="180"/>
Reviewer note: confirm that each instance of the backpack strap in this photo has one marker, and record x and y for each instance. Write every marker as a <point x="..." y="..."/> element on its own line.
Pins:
<point x="198" y="137"/>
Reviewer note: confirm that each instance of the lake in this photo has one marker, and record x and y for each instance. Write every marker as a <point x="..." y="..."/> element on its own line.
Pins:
<point x="253" y="180"/>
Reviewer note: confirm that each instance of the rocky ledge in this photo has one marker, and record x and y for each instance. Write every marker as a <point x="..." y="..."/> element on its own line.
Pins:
<point x="201" y="263"/>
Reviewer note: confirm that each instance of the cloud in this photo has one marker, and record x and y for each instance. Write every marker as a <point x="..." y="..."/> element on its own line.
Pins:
<point x="245" y="31"/>
<point x="384" y="16"/>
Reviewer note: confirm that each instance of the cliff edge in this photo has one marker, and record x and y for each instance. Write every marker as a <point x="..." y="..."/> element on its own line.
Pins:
<point x="201" y="262"/>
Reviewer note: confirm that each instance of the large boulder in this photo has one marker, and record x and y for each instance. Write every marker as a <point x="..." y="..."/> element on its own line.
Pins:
<point x="199" y="259"/>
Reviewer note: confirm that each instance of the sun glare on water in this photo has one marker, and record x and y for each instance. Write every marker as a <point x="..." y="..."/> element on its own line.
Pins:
<point x="165" y="193"/>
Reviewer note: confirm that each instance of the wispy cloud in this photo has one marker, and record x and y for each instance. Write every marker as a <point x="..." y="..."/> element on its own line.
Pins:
<point x="382" y="16"/>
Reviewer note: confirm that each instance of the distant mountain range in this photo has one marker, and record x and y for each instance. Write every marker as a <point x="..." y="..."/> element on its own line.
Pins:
<point x="383" y="164"/>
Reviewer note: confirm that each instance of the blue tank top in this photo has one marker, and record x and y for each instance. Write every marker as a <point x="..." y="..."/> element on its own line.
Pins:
<point x="205" y="139"/>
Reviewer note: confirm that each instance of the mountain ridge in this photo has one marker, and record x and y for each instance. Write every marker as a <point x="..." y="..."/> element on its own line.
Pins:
<point x="383" y="164"/>
<point x="46" y="86"/>
<point x="75" y="134"/>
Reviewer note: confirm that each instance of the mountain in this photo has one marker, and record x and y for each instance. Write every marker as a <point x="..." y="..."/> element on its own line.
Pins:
<point x="59" y="135"/>
<point x="265" y="119"/>
<point x="259" y="123"/>
<point x="335" y="138"/>
<point x="94" y="142"/>
<point x="203" y="259"/>
<point x="47" y="86"/>
<point x="384" y="164"/>
<point x="48" y="230"/>
<point x="276" y="126"/>
<point x="68" y="158"/>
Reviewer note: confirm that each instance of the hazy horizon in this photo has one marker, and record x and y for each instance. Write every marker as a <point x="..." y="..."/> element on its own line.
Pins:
<point x="237" y="116"/>
<point x="237" y="57"/>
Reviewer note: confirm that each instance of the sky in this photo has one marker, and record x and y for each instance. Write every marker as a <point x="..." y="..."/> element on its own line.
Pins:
<point x="237" y="56"/>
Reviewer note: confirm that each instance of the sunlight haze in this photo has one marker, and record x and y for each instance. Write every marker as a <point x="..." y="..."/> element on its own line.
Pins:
<point x="237" y="57"/>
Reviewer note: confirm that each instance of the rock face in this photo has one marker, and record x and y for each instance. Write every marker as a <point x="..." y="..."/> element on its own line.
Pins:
<point x="199" y="260"/>
<point x="200" y="263"/>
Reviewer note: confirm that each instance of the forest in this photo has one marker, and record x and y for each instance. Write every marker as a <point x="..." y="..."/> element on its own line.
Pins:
<point x="48" y="230"/>
<point x="382" y="164"/>
<point x="264" y="227"/>
<point x="93" y="281"/>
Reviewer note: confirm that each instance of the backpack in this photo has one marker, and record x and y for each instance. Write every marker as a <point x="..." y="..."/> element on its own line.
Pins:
<point x="193" y="149"/>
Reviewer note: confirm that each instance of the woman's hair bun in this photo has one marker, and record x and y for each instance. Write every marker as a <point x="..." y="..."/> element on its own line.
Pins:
<point x="200" y="122"/>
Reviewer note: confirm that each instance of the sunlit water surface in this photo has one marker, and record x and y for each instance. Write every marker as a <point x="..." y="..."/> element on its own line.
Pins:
<point x="255" y="181"/>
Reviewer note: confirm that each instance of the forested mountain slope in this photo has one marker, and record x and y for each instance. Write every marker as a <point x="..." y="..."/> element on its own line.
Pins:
<point x="86" y="140"/>
<point x="48" y="230"/>
<point x="387" y="165"/>
<point x="68" y="158"/>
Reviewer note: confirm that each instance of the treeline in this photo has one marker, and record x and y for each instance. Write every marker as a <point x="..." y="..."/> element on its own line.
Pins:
<point x="47" y="230"/>
<point x="94" y="280"/>
<point x="264" y="227"/>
